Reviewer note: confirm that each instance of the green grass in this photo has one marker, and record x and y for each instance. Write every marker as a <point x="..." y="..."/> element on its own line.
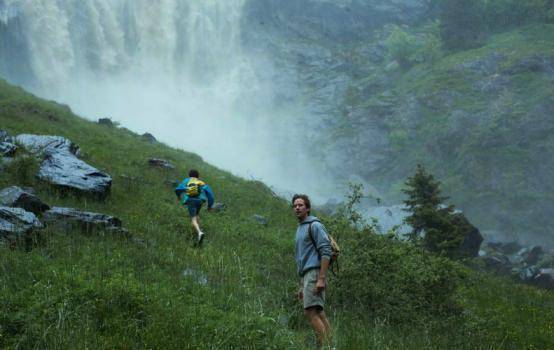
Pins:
<point x="71" y="290"/>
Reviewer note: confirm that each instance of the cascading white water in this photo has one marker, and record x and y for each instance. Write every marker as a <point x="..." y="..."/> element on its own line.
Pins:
<point x="173" y="68"/>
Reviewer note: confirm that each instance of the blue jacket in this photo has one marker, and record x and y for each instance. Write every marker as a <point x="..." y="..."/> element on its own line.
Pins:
<point x="205" y="195"/>
<point x="308" y="256"/>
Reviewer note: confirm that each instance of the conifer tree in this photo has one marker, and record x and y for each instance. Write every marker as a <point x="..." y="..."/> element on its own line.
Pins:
<point x="433" y="223"/>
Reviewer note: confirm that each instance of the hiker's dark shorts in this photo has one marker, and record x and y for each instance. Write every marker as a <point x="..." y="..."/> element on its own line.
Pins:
<point x="311" y="299"/>
<point x="194" y="205"/>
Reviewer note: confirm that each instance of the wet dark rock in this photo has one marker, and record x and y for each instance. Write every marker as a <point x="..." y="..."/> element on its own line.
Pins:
<point x="149" y="137"/>
<point x="534" y="255"/>
<point x="7" y="145"/>
<point x="544" y="279"/>
<point x="18" y="197"/>
<point x="61" y="167"/>
<point x="527" y="274"/>
<point x="7" y="149"/>
<point x="87" y="221"/>
<point x="262" y="220"/>
<point x="106" y="121"/>
<point x="67" y="171"/>
<point x="161" y="163"/>
<point x="498" y="264"/>
<point x="16" y="222"/>
<point x="472" y="237"/>
<point x="47" y="144"/>
<point x="505" y="247"/>
<point x="5" y="137"/>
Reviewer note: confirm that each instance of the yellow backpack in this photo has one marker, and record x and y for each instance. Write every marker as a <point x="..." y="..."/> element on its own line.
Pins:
<point x="194" y="187"/>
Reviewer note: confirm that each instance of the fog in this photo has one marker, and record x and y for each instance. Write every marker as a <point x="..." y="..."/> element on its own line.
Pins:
<point x="176" y="70"/>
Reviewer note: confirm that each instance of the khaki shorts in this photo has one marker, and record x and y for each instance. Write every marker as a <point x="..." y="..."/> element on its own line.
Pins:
<point x="308" y="285"/>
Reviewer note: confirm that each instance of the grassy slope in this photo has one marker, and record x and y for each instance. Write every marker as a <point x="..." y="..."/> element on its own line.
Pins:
<point x="100" y="291"/>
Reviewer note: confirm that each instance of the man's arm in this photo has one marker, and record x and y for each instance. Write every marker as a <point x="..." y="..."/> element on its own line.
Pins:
<point x="210" y="195"/>
<point x="325" y="251"/>
<point x="322" y="278"/>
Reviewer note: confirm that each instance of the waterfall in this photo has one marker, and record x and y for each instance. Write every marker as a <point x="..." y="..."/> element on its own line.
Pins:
<point x="173" y="68"/>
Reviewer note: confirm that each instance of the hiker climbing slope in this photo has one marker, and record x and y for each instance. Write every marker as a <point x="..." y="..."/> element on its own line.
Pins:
<point x="193" y="193"/>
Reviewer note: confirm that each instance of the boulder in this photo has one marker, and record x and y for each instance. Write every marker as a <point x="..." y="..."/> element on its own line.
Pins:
<point x="67" y="171"/>
<point x="505" y="247"/>
<point x="472" y="237"/>
<point x="262" y="220"/>
<point x="17" y="197"/>
<point x="47" y="144"/>
<point x="527" y="274"/>
<point x="544" y="279"/>
<point x="7" y="146"/>
<point x="533" y="256"/>
<point x="5" y="137"/>
<point x="497" y="263"/>
<point x="7" y="149"/>
<point x="61" y="167"/>
<point x="16" y="222"/>
<point x="87" y="221"/>
<point x="149" y="137"/>
<point x="161" y="163"/>
<point x="106" y="121"/>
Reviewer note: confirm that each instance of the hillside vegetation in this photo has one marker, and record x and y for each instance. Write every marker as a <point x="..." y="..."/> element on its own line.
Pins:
<point x="66" y="289"/>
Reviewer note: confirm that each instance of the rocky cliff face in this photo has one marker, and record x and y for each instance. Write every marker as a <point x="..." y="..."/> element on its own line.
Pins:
<point x="480" y="120"/>
<point x="321" y="49"/>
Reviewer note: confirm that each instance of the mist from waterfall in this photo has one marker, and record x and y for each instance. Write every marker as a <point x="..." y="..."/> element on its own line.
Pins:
<point x="173" y="68"/>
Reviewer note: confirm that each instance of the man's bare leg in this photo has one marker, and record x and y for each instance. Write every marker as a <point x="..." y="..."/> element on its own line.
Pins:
<point x="318" y="325"/>
<point x="328" y="334"/>
<point x="196" y="224"/>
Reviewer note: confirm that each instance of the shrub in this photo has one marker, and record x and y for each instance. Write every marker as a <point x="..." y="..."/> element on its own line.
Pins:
<point x="413" y="48"/>
<point x="387" y="279"/>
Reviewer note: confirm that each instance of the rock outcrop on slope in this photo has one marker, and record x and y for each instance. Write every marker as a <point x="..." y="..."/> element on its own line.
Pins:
<point x="18" y="197"/>
<point x="7" y="146"/>
<point x="84" y="220"/>
<point x="61" y="166"/>
<point x="16" y="223"/>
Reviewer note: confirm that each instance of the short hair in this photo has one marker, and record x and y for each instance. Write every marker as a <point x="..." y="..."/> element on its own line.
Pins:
<point x="194" y="173"/>
<point x="305" y="198"/>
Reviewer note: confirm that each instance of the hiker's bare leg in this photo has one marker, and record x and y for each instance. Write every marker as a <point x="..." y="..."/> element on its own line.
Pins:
<point x="328" y="334"/>
<point x="317" y="325"/>
<point x="195" y="223"/>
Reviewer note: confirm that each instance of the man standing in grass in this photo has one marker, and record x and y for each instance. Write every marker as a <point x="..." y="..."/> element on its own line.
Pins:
<point x="193" y="193"/>
<point x="313" y="254"/>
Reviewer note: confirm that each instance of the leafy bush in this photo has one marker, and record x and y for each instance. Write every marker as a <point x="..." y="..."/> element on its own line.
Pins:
<point x="413" y="48"/>
<point x="386" y="279"/>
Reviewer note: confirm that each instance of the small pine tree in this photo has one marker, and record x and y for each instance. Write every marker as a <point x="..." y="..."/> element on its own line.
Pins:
<point x="434" y="224"/>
